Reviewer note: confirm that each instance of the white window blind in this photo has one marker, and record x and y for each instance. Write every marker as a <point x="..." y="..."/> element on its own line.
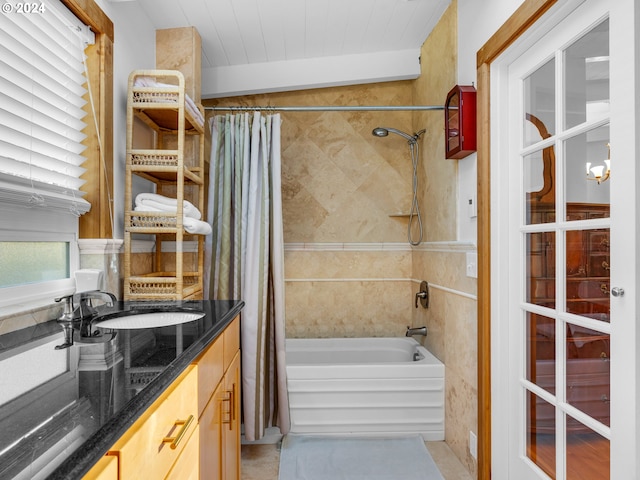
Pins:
<point x="42" y="84"/>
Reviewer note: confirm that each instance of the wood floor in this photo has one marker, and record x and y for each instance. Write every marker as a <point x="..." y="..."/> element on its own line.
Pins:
<point x="587" y="456"/>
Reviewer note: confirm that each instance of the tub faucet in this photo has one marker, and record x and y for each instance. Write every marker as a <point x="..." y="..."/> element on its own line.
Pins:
<point x="416" y="331"/>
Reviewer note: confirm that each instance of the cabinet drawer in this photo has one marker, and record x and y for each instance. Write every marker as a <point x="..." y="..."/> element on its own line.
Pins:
<point x="105" y="469"/>
<point x="187" y="467"/>
<point x="169" y="422"/>
<point x="210" y="371"/>
<point x="231" y="342"/>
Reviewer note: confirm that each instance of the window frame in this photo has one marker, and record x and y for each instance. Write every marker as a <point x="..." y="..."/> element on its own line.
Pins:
<point x="51" y="227"/>
<point x="99" y="175"/>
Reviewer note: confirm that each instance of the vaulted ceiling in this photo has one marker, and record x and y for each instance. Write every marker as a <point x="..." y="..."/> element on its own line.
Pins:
<point x="256" y="46"/>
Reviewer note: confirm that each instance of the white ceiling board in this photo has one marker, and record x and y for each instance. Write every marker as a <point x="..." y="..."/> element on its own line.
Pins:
<point x="273" y="32"/>
<point x="239" y="33"/>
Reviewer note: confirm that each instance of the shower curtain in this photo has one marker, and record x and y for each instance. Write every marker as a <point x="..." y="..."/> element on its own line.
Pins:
<point x="244" y="257"/>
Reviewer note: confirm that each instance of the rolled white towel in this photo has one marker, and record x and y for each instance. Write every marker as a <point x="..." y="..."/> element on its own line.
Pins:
<point x="196" y="227"/>
<point x="160" y="203"/>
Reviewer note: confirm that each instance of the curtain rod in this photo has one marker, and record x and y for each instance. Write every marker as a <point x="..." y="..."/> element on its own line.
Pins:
<point x="325" y="109"/>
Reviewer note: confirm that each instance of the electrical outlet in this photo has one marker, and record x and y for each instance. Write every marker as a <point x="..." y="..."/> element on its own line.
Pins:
<point x="473" y="445"/>
<point x="472" y="264"/>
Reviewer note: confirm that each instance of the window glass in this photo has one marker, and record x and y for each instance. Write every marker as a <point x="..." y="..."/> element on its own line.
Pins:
<point x="22" y="263"/>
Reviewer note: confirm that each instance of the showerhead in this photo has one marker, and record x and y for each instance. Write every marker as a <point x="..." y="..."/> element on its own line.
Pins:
<point x="380" y="132"/>
<point x="384" y="131"/>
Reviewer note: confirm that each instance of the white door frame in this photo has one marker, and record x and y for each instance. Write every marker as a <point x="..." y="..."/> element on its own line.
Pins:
<point x="625" y="249"/>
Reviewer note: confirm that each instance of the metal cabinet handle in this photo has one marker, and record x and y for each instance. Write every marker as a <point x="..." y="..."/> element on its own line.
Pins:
<point x="232" y="406"/>
<point x="176" y="440"/>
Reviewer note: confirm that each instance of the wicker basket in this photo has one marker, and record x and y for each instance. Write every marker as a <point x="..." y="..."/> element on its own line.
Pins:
<point x="156" y="286"/>
<point x="148" y="159"/>
<point x="152" y="220"/>
<point x="154" y="95"/>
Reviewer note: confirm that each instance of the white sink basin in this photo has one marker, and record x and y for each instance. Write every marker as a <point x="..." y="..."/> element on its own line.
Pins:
<point x="149" y="320"/>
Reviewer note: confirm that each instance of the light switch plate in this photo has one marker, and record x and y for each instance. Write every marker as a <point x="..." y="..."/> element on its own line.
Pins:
<point x="472" y="264"/>
<point x="472" y="208"/>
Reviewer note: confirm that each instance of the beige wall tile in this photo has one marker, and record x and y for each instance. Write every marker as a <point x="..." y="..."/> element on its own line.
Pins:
<point x="324" y="309"/>
<point x="309" y="264"/>
<point x="461" y="417"/>
<point x="340" y="183"/>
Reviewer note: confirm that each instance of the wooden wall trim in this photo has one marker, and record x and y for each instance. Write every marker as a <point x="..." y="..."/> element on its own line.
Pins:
<point x="91" y="14"/>
<point x="525" y="16"/>
<point x="97" y="223"/>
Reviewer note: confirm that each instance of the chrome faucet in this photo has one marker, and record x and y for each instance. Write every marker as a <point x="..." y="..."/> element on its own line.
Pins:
<point x="78" y="313"/>
<point x="66" y="321"/>
<point x="86" y="308"/>
<point x="416" y="331"/>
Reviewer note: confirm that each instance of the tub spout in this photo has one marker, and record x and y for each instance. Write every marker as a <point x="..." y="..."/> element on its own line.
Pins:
<point x="416" y="331"/>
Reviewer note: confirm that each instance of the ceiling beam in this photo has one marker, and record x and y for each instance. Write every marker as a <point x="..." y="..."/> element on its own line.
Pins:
<point x="305" y="74"/>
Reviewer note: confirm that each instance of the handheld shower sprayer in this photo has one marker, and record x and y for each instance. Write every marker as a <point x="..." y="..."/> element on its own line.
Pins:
<point x="412" y="140"/>
<point x="384" y="131"/>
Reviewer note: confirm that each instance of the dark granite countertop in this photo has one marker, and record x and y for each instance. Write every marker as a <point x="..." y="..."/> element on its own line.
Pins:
<point x="60" y="428"/>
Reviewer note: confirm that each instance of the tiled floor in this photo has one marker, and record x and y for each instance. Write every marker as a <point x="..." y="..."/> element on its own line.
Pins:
<point x="260" y="462"/>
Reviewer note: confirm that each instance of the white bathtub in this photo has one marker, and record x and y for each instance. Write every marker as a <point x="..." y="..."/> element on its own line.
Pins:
<point x="364" y="386"/>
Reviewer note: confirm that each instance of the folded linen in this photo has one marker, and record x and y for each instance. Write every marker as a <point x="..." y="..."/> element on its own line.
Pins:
<point x="190" y="104"/>
<point x="191" y="225"/>
<point x="159" y="203"/>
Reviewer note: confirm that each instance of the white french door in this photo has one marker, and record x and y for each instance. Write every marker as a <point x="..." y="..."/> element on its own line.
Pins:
<point x="564" y="361"/>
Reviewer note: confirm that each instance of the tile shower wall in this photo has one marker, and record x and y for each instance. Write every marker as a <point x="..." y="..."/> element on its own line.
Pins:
<point x="451" y="318"/>
<point x="452" y="326"/>
<point x="347" y="263"/>
<point x="359" y="291"/>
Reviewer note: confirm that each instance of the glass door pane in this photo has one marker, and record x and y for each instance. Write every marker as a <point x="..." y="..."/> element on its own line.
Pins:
<point x="587" y="272"/>
<point x="587" y="369"/>
<point x="586" y="64"/>
<point x="587" y="169"/>
<point x="541" y="269"/>
<point x="540" y="104"/>
<point x="541" y="434"/>
<point x="541" y="351"/>
<point x="588" y="454"/>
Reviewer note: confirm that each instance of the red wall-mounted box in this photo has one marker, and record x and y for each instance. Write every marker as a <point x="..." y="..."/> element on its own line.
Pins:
<point x="460" y="121"/>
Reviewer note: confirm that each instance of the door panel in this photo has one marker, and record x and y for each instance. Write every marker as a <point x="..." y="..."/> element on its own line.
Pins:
<point x="565" y="341"/>
<point x="564" y="232"/>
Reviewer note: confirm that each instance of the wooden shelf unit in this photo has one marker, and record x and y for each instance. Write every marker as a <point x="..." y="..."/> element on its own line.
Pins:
<point x="176" y="166"/>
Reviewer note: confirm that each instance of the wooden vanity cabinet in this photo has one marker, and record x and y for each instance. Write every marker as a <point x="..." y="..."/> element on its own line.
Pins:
<point x="220" y="417"/>
<point x="198" y="414"/>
